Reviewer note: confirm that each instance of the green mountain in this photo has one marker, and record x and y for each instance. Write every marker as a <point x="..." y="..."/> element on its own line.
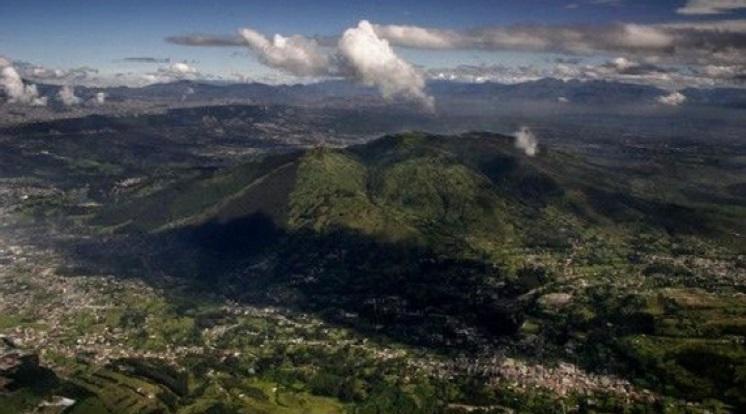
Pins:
<point x="471" y="196"/>
<point x="454" y="242"/>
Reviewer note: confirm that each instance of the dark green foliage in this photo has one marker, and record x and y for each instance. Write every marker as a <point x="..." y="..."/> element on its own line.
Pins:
<point x="448" y="242"/>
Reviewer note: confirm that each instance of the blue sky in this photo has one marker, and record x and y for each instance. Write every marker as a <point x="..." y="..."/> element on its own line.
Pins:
<point x="96" y="33"/>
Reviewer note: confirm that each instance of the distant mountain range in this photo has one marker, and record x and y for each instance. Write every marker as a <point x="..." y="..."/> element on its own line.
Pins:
<point x="327" y="92"/>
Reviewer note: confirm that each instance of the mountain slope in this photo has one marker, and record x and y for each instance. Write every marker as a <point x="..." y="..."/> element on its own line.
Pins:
<point x="474" y="193"/>
<point x="412" y="188"/>
<point x="455" y="242"/>
<point x="474" y="200"/>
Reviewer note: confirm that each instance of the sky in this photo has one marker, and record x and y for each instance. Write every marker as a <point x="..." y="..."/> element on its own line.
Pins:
<point x="79" y="41"/>
<point x="65" y="33"/>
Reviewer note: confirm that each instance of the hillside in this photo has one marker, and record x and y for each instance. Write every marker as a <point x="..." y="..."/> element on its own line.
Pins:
<point x="475" y="188"/>
<point x="610" y="271"/>
<point x="457" y="241"/>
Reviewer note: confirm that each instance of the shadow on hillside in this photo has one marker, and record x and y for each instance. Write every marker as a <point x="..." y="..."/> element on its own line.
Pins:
<point x="403" y="291"/>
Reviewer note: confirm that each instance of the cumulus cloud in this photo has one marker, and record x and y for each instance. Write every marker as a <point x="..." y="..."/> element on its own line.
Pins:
<point x="374" y="63"/>
<point x="180" y="69"/>
<point x="526" y="140"/>
<point x="296" y="55"/>
<point x="15" y="89"/>
<point x="67" y="76"/>
<point x="168" y="71"/>
<point x="82" y="75"/>
<point x="66" y="95"/>
<point x="699" y="7"/>
<point x="360" y="54"/>
<point x="672" y="99"/>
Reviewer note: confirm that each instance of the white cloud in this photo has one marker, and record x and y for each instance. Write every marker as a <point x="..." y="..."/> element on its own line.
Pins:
<point x="526" y="141"/>
<point x="699" y="7"/>
<point x="181" y="68"/>
<point x="66" y="95"/>
<point x="489" y="73"/>
<point x="619" y="69"/>
<point x="672" y="99"/>
<point x="374" y="63"/>
<point x="686" y="45"/>
<point x="360" y="54"/>
<point x="622" y="63"/>
<point x="73" y="76"/>
<point x="675" y="42"/>
<point x="16" y="90"/>
<point x="419" y="37"/>
<point x="173" y="72"/>
<point x="569" y="39"/>
<point x="99" y="98"/>
<point x="640" y="37"/>
<point x="296" y="55"/>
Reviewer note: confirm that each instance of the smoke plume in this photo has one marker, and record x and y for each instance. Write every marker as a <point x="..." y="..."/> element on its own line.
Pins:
<point x="526" y="141"/>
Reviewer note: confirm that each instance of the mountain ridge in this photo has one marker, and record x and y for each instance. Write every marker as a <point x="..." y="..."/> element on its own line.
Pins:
<point x="544" y="89"/>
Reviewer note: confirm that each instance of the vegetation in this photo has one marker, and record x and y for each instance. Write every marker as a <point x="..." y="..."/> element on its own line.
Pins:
<point x="409" y="251"/>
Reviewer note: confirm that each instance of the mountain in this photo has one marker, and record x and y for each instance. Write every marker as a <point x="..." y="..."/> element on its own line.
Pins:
<point x="549" y="89"/>
<point x="446" y="242"/>
<point x="724" y="97"/>
<point x="598" y="92"/>
<point x="627" y="260"/>
<point x="416" y="188"/>
<point x="408" y="208"/>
